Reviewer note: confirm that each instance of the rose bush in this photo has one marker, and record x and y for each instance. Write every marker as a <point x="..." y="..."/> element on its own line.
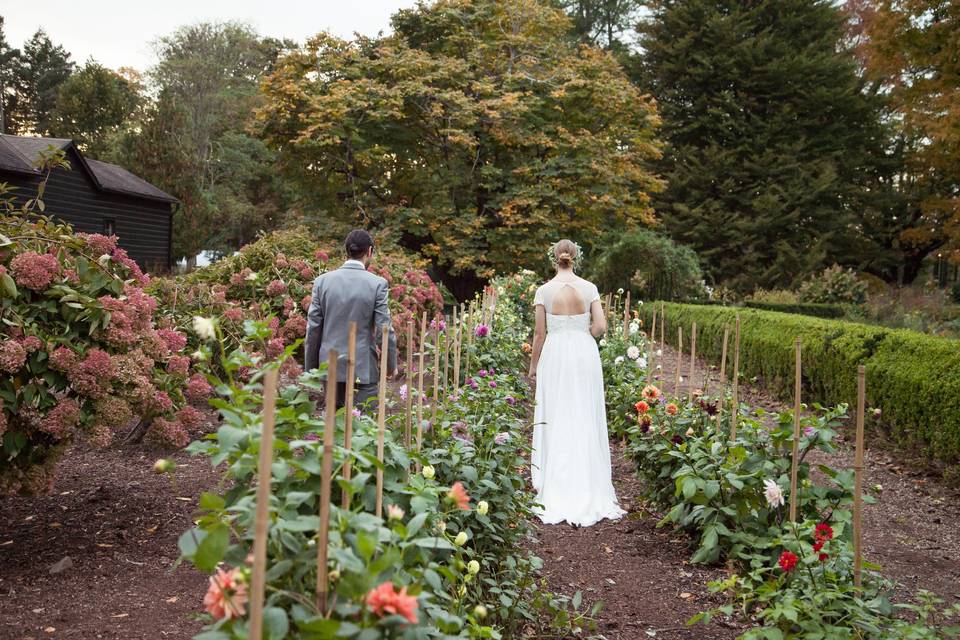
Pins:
<point x="82" y="351"/>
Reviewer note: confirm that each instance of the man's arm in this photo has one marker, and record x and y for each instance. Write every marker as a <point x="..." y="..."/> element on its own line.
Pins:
<point x="381" y="317"/>
<point x="311" y="346"/>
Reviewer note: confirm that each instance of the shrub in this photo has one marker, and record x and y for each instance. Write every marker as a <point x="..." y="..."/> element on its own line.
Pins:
<point x="914" y="378"/>
<point x="817" y="310"/>
<point x="779" y="296"/>
<point x="80" y="352"/>
<point x="650" y="265"/>
<point x="834" y="285"/>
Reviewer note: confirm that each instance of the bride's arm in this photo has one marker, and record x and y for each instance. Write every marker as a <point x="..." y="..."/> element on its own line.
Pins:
<point x="539" y="335"/>
<point x="598" y="324"/>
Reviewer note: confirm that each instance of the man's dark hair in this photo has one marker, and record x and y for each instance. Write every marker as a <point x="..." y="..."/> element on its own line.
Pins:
<point x="358" y="242"/>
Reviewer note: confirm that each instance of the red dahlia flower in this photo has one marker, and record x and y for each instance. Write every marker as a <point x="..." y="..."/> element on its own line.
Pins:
<point x="788" y="561"/>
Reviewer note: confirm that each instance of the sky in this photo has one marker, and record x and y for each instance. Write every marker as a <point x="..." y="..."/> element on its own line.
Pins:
<point x="118" y="33"/>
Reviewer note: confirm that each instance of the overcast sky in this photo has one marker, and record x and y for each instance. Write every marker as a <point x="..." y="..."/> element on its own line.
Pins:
<point x="118" y="33"/>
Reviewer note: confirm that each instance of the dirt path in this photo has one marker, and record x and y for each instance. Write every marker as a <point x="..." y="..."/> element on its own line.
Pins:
<point x="648" y="588"/>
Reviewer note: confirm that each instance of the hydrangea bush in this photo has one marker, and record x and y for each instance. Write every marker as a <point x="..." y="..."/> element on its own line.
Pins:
<point x="82" y="354"/>
<point x="271" y="281"/>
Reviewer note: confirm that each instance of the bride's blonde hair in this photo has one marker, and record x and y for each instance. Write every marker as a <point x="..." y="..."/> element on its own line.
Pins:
<point x="565" y="254"/>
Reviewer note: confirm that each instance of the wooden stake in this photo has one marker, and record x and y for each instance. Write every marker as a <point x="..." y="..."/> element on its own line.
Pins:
<point x="326" y="471"/>
<point x="676" y="388"/>
<point x="423" y="346"/>
<point x="663" y="323"/>
<point x="382" y="416"/>
<point x="693" y="358"/>
<point x="653" y="328"/>
<point x="858" y="479"/>
<point x="795" y="460"/>
<point x="446" y="353"/>
<point x="258" y="581"/>
<point x="721" y="400"/>
<point x="735" y="410"/>
<point x="456" y="358"/>
<point x="626" y="318"/>
<point x="348" y="415"/>
<point x="470" y="337"/>
<point x="436" y="382"/>
<point x="408" y="414"/>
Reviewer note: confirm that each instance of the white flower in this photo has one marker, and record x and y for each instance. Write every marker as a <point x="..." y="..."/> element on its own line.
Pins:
<point x="428" y="472"/>
<point x="251" y="276"/>
<point x="394" y="512"/>
<point x="773" y="493"/>
<point x="618" y="360"/>
<point x="480" y="611"/>
<point x="659" y="367"/>
<point x="659" y="352"/>
<point x="461" y="539"/>
<point x="634" y="327"/>
<point x="620" y="290"/>
<point x="204" y="328"/>
<point x="198" y="355"/>
<point x="483" y="507"/>
<point x="603" y="342"/>
<point x="633" y="352"/>
<point x="642" y="363"/>
<point x="473" y="567"/>
<point x="501" y="291"/>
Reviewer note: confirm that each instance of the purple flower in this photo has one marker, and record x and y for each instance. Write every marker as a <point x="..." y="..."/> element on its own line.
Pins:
<point x="482" y="373"/>
<point x="481" y="331"/>
<point x="809" y="431"/>
<point x="403" y="392"/>
<point x="461" y="432"/>
<point x="357" y="413"/>
<point x="493" y="384"/>
<point x="438" y="324"/>
<point x="501" y="438"/>
<point x="511" y="400"/>
<point x="311" y="436"/>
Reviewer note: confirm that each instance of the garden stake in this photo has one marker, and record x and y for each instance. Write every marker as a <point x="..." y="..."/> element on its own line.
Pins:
<point x="423" y="346"/>
<point x="436" y="381"/>
<point x="470" y="336"/>
<point x="626" y="318"/>
<point x="693" y="358"/>
<point x="325" y="472"/>
<point x="721" y="400"/>
<point x="456" y="359"/>
<point x="382" y="417"/>
<point x="258" y="581"/>
<point x="348" y="403"/>
<point x="446" y="353"/>
<point x="858" y="479"/>
<point x="408" y="414"/>
<point x="653" y="328"/>
<point x="736" y="380"/>
<point x="663" y="322"/>
<point x="676" y="388"/>
<point x="796" y="437"/>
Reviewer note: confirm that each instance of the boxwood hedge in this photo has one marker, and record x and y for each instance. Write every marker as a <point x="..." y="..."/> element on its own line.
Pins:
<point x="817" y="310"/>
<point x="914" y="378"/>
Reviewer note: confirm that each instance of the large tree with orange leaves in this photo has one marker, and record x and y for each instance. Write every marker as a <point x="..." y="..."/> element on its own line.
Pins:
<point x="476" y="133"/>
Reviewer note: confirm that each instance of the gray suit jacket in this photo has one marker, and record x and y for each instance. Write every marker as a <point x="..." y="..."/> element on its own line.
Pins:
<point x="349" y="294"/>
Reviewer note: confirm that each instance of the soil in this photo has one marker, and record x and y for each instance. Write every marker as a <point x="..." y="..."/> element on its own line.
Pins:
<point x="118" y="524"/>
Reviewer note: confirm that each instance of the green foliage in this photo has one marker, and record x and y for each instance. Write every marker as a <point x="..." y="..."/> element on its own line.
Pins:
<point x="780" y="296"/>
<point x="648" y="264"/>
<point x="770" y="139"/>
<point x="834" y="285"/>
<point x="815" y="309"/>
<point x="475" y="143"/>
<point x="914" y="378"/>
<point x="38" y="72"/>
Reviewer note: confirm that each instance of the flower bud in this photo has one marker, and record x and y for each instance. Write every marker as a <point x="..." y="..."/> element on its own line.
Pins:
<point x="483" y="507"/>
<point x="428" y="472"/>
<point x="480" y="612"/>
<point x="334" y="575"/>
<point x="462" y="591"/>
<point x="461" y="539"/>
<point x="163" y="466"/>
<point x="473" y="567"/>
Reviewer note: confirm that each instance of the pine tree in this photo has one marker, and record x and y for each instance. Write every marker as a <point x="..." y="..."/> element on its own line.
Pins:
<point x="772" y="144"/>
<point x="9" y="65"/>
<point x="43" y="67"/>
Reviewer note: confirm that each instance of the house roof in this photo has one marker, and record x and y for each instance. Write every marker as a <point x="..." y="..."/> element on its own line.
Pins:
<point x="19" y="154"/>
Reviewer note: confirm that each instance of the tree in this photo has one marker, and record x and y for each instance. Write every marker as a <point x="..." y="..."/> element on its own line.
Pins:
<point x="43" y="67"/>
<point x="773" y="147"/>
<point x="9" y="68"/>
<point x="92" y="104"/>
<point x="911" y="47"/>
<point x="476" y="134"/>
<point x="603" y="23"/>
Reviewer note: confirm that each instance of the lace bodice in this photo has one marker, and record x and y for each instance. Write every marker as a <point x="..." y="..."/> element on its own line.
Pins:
<point x="556" y="324"/>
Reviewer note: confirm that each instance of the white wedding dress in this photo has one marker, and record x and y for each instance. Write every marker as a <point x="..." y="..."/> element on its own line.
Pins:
<point x="570" y="468"/>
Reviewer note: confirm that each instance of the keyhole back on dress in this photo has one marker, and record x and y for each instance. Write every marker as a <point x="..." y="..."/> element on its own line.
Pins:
<point x="567" y="302"/>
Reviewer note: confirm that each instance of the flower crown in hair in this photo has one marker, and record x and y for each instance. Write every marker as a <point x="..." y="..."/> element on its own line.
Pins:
<point x="577" y="259"/>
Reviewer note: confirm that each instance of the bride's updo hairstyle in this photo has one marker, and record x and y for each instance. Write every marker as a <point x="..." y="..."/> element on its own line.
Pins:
<point x="565" y="254"/>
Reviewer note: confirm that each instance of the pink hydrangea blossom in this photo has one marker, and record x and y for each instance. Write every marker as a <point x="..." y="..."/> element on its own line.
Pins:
<point x="120" y="257"/>
<point x="275" y="347"/>
<point x="295" y="327"/>
<point x="198" y="389"/>
<point x="189" y="417"/>
<point x="61" y="420"/>
<point x="112" y="411"/>
<point x="178" y="365"/>
<point x="305" y="302"/>
<point x="306" y="273"/>
<point x="174" y="340"/>
<point x="92" y="376"/>
<point x="276" y="288"/>
<point x="12" y="356"/>
<point x="99" y="244"/>
<point x="100" y="436"/>
<point x="32" y="343"/>
<point x="321" y="256"/>
<point x="63" y="359"/>
<point x="167" y="433"/>
<point x="233" y="314"/>
<point x="281" y="261"/>
<point x="33" y="270"/>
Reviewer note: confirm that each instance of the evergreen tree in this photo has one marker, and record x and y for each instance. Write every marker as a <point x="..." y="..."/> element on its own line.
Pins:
<point x="9" y="65"/>
<point x="774" y="151"/>
<point x="43" y="67"/>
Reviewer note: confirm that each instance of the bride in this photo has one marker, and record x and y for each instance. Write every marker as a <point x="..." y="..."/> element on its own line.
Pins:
<point x="571" y="455"/>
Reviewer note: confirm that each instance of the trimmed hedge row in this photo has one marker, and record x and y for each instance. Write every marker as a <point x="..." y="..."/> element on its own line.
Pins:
<point x="914" y="378"/>
<point x="817" y="310"/>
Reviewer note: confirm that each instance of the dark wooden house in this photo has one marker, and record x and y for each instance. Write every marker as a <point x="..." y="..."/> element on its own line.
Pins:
<point x="95" y="197"/>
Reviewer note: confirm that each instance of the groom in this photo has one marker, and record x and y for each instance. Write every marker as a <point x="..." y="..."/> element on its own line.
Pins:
<point x="345" y="295"/>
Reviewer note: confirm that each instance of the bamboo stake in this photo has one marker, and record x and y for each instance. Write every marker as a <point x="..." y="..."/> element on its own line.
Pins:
<point x="858" y="480"/>
<point x="446" y="353"/>
<point x="382" y="416"/>
<point x="663" y="323"/>
<point x="676" y="388"/>
<point x="470" y="337"/>
<point x="436" y="382"/>
<point x="693" y="358"/>
<point x="626" y="318"/>
<point x="735" y="410"/>
<point x="262" y="515"/>
<point x="423" y="346"/>
<point x="348" y="414"/>
<point x="408" y="413"/>
<point x="456" y="359"/>
<point x="653" y="328"/>
<point x="325" y="473"/>
<point x="723" y="376"/>
<point x="796" y="434"/>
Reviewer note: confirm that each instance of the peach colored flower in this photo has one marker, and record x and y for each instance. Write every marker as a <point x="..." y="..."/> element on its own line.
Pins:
<point x="460" y="496"/>
<point x="650" y="392"/>
<point x="642" y="407"/>
<point x="672" y="409"/>
<point x="226" y="595"/>
<point x="385" y="599"/>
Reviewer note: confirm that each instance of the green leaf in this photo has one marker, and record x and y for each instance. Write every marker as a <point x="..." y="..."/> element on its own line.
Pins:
<point x="211" y="501"/>
<point x="211" y="549"/>
<point x="275" y="623"/>
<point x="8" y="286"/>
<point x="433" y="543"/>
